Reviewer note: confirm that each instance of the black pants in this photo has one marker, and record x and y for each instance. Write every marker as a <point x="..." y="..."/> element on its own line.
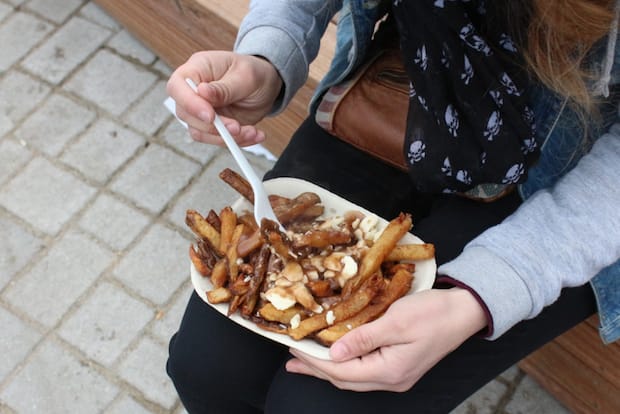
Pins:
<point x="219" y="367"/>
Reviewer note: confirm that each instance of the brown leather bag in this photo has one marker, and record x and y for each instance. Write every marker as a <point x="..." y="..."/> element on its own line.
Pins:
<point x="369" y="111"/>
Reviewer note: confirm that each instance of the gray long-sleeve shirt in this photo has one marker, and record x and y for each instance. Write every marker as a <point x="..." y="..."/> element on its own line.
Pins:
<point x="559" y="237"/>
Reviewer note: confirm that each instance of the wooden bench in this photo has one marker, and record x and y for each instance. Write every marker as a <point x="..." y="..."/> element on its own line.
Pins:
<point x="576" y="368"/>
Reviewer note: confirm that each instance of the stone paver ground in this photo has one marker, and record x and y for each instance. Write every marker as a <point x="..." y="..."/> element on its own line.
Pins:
<point x="95" y="177"/>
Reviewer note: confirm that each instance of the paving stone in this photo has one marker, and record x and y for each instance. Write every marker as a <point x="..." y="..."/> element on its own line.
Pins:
<point x="145" y="369"/>
<point x="127" y="45"/>
<point x="106" y="323"/>
<point x="207" y="192"/>
<point x="47" y="291"/>
<point x="16" y="2"/>
<point x="110" y="82"/>
<point x="55" y="382"/>
<point x="102" y="150"/>
<point x="511" y="374"/>
<point x="113" y="222"/>
<point x="484" y="401"/>
<point x="19" y="95"/>
<point x="18" y="35"/>
<point x="165" y="326"/>
<point x="163" y="68"/>
<point x="176" y="135"/>
<point x="16" y="341"/>
<point x="5" y="409"/>
<point x="149" y="114"/>
<point x="66" y="49"/>
<point x="154" y="177"/>
<point x="52" y="125"/>
<point x="57" y="11"/>
<point x="530" y="398"/>
<point x="6" y="124"/>
<point x="45" y="196"/>
<point x="156" y="266"/>
<point x="96" y="14"/>
<point x="5" y="10"/>
<point x="17" y="248"/>
<point x="13" y="156"/>
<point x="126" y="405"/>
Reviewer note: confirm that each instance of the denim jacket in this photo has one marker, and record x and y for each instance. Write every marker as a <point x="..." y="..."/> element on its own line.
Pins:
<point x="560" y="131"/>
<point x="298" y="26"/>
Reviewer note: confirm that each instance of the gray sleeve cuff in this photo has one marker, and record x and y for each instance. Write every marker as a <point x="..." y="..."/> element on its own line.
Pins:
<point x="498" y="285"/>
<point x="287" y="58"/>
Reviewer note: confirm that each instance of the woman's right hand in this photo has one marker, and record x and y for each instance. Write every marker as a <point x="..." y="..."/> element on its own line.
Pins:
<point x="241" y="88"/>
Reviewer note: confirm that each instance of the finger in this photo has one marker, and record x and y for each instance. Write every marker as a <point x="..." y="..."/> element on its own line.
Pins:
<point x="367" y="369"/>
<point x="193" y="121"/>
<point x="367" y="338"/>
<point x="244" y="136"/>
<point x="234" y="86"/>
<point x="333" y="375"/>
<point x="205" y="137"/>
<point x="297" y="366"/>
<point x="250" y="135"/>
<point x="186" y="98"/>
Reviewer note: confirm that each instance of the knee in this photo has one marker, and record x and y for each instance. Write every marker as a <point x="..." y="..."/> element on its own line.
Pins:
<point x="180" y="368"/>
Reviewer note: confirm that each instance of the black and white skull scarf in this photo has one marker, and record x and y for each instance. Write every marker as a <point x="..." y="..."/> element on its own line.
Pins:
<point x="468" y="123"/>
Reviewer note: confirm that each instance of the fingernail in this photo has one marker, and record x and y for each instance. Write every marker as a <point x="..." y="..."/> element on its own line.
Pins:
<point x="337" y="351"/>
<point x="205" y="117"/>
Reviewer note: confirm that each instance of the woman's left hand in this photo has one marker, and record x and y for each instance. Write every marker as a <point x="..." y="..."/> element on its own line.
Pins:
<point x="393" y="352"/>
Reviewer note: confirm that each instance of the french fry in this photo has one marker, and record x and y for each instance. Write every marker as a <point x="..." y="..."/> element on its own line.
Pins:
<point x="371" y="262"/>
<point x="398" y="286"/>
<point x="320" y="288"/>
<point x="248" y="221"/>
<point x="312" y="212"/>
<point x="411" y="252"/>
<point x="250" y="243"/>
<point x="278" y="201"/>
<point x="276" y="241"/>
<point x="357" y="301"/>
<point x="256" y="281"/>
<point x="390" y="268"/>
<point x="240" y="184"/>
<point x="275" y="327"/>
<point x="202" y="228"/>
<point x="296" y="208"/>
<point x="231" y="253"/>
<point x="214" y="220"/>
<point x="270" y="313"/>
<point x="321" y="238"/>
<point x="219" y="274"/>
<point x="228" y="220"/>
<point x="219" y="295"/>
<point x="200" y="265"/>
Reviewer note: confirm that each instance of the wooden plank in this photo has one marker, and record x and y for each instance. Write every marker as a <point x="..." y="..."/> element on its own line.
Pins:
<point x="579" y="370"/>
<point x="174" y="29"/>
<point x="571" y="381"/>
<point x="584" y="343"/>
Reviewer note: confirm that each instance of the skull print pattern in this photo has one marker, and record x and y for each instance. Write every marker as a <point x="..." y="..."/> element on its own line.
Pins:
<point x="469" y="123"/>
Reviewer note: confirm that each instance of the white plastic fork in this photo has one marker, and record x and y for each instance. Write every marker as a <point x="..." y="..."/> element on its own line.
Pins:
<point x="262" y="206"/>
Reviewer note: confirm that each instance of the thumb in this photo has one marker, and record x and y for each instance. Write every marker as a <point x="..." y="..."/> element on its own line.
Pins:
<point x="225" y="91"/>
<point x="364" y="339"/>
